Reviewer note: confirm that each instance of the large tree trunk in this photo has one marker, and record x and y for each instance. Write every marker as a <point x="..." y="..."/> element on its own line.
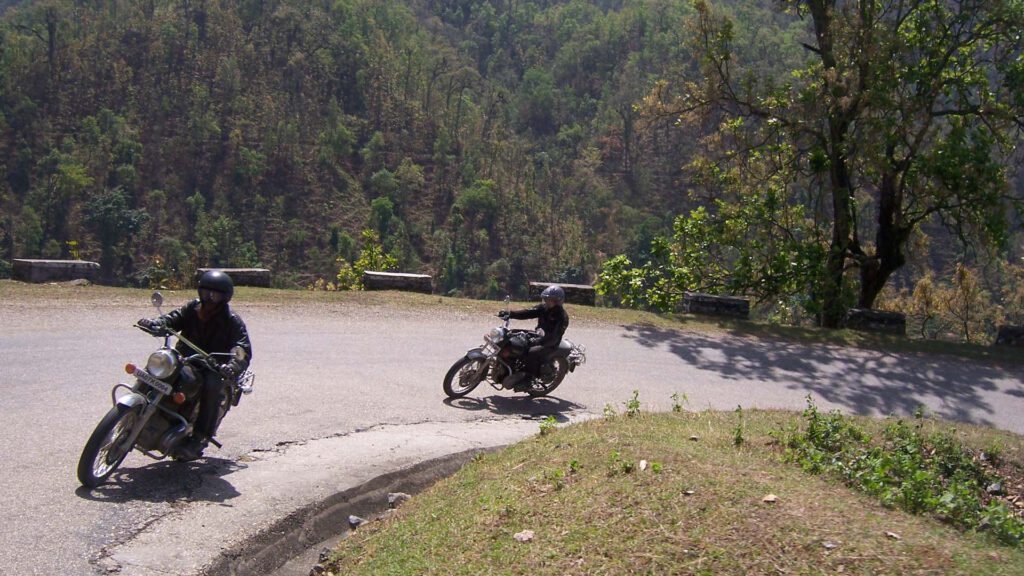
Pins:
<point x="890" y="239"/>
<point x="822" y="12"/>
<point x="842" y="208"/>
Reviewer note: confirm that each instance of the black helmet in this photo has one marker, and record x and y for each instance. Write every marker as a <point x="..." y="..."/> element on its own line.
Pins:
<point x="553" y="292"/>
<point x="217" y="281"/>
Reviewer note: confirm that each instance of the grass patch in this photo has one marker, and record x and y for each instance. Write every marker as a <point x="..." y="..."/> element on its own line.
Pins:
<point x="672" y="493"/>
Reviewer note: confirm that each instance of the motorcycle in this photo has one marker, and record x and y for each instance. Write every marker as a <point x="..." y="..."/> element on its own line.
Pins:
<point x="501" y="361"/>
<point x="158" y="412"/>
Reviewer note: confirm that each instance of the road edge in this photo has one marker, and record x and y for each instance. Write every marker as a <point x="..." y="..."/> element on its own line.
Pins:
<point x="311" y="525"/>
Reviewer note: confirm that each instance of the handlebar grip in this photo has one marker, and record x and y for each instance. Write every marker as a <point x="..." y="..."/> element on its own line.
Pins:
<point x="151" y="328"/>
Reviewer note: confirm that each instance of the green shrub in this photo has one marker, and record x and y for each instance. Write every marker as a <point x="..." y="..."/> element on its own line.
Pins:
<point x="907" y="469"/>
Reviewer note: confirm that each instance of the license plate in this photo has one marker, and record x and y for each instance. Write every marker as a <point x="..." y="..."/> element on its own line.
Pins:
<point x="158" y="385"/>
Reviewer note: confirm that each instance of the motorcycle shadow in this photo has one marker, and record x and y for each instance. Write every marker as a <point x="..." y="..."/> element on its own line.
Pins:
<point x="525" y="406"/>
<point x="167" y="481"/>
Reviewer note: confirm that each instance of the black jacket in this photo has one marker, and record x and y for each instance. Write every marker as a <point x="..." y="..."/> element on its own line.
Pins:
<point x="553" y="322"/>
<point x="222" y="333"/>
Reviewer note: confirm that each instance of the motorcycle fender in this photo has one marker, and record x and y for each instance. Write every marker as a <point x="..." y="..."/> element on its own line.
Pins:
<point x="476" y="354"/>
<point x="563" y="350"/>
<point x="132" y="400"/>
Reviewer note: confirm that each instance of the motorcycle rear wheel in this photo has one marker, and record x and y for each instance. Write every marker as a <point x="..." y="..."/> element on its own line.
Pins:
<point x="461" y="377"/>
<point x="105" y="450"/>
<point x="543" y="386"/>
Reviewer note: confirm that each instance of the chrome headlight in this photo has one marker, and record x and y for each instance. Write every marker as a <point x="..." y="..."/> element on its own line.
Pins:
<point x="496" y="335"/>
<point x="162" y="363"/>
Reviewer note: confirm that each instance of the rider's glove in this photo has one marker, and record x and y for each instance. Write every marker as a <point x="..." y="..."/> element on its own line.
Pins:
<point x="229" y="371"/>
<point x="504" y="315"/>
<point x="152" y="326"/>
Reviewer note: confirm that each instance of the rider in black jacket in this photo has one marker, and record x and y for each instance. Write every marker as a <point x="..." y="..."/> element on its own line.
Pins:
<point x="209" y="323"/>
<point x="552" y="320"/>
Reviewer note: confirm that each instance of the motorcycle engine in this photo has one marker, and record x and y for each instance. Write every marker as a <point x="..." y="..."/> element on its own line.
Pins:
<point x="156" y="427"/>
<point x="498" y="372"/>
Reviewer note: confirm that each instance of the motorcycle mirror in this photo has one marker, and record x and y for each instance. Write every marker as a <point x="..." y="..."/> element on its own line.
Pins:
<point x="157" y="299"/>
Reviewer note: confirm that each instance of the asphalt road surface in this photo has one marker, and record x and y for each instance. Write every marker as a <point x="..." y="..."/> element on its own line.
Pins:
<point x="331" y="371"/>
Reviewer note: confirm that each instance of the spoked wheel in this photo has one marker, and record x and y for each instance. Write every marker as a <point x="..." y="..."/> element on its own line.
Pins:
<point x="107" y="446"/>
<point x="551" y="376"/>
<point x="464" y="376"/>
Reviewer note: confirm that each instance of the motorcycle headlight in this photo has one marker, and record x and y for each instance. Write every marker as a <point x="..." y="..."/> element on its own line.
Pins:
<point x="162" y="363"/>
<point x="497" y="334"/>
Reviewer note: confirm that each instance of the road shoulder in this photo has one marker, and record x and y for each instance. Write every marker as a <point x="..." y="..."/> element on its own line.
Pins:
<point x="301" y="495"/>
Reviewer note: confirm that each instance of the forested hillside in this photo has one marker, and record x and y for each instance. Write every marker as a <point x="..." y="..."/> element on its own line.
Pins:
<point x="486" y="142"/>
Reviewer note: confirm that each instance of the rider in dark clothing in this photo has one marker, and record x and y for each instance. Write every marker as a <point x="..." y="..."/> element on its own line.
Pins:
<point x="552" y="320"/>
<point x="209" y="323"/>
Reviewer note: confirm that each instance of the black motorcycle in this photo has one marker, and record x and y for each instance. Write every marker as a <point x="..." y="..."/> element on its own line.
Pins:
<point x="501" y="361"/>
<point x="158" y="412"/>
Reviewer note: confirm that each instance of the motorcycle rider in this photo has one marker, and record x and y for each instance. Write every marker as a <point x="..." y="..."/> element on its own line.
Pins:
<point x="552" y="321"/>
<point x="209" y="323"/>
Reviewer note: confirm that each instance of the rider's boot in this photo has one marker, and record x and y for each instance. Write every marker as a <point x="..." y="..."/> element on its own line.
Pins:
<point x="191" y="449"/>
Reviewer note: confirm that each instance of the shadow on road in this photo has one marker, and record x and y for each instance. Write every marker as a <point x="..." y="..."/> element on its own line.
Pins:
<point x="866" y="382"/>
<point x="525" y="406"/>
<point x="167" y="481"/>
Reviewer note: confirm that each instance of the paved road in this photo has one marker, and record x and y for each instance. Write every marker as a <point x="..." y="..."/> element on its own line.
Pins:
<point x="334" y="380"/>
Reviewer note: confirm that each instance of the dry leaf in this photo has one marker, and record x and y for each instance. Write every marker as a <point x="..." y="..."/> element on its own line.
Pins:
<point x="770" y="498"/>
<point x="643" y="465"/>
<point x="893" y="535"/>
<point x="524" y="536"/>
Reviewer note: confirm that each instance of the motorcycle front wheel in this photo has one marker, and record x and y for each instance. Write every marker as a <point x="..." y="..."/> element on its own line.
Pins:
<point x="464" y="376"/>
<point x="543" y="385"/>
<point x="106" y="448"/>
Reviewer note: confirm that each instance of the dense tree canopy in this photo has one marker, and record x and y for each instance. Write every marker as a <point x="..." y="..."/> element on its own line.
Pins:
<point x="902" y="115"/>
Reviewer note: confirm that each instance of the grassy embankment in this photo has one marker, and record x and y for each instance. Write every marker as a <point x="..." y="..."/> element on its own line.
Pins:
<point x="709" y="493"/>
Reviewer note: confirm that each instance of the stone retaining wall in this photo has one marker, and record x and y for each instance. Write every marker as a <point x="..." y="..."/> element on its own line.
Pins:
<point x="28" y="270"/>
<point x="711" y="305"/>
<point x="869" y="320"/>
<point x="574" y="293"/>
<point x="1010" y="336"/>
<point x="398" y="281"/>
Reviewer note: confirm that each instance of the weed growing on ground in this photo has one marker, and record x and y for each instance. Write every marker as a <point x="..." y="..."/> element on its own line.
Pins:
<point x="678" y="401"/>
<point x="907" y="469"/>
<point x="556" y="478"/>
<point x="737" y="435"/>
<point x="619" y="465"/>
<point x="633" y="406"/>
<point x="548" y="425"/>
